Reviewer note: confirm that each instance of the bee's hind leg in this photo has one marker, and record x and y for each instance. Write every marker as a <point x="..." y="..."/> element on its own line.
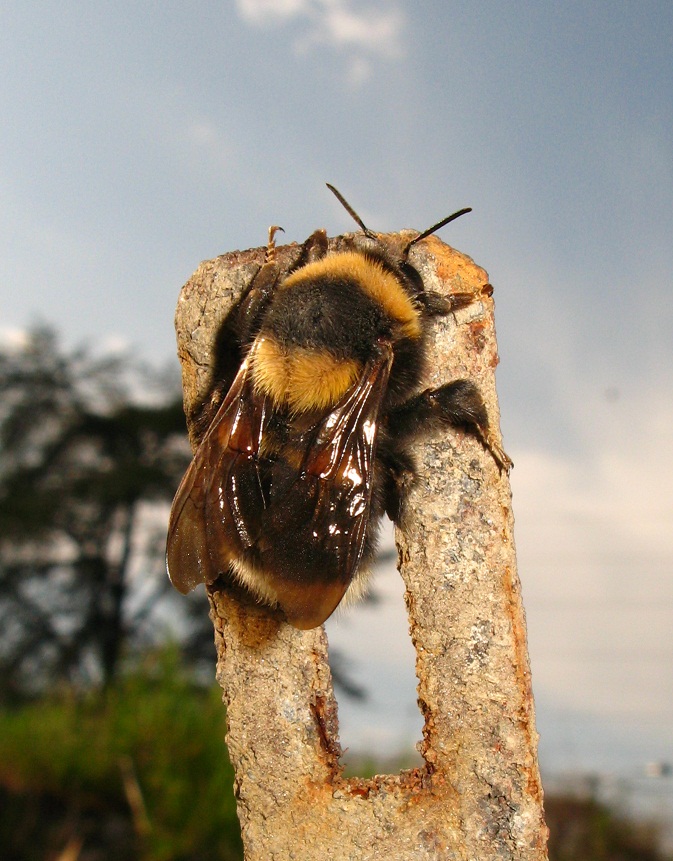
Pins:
<point x="459" y="404"/>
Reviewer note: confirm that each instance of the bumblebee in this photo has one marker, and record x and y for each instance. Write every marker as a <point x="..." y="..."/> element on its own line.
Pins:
<point x="305" y="443"/>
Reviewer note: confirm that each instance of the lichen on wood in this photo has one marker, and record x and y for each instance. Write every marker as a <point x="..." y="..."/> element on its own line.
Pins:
<point x="478" y="796"/>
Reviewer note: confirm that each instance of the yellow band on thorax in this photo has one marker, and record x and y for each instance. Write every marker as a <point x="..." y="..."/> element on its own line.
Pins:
<point x="372" y="277"/>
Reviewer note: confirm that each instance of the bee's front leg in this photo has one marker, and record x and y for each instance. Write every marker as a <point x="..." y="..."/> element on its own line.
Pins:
<point x="250" y="308"/>
<point x="440" y="304"/>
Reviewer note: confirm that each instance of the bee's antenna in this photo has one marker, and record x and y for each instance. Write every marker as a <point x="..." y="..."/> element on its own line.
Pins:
<point x="436" y="227"/>
<point x="349" y="209"/>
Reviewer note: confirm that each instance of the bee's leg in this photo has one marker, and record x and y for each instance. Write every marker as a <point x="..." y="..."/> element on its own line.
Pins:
<point x="235" y="334"/>
<point x="395" y="478"/>
<point x="247" y="314"/>
<point x="251" y="306"/>
<point x="314" y="248"/>
<point x="459" y="404"/>
<point x="439" y="304"/>
<point x="270" y="256"/>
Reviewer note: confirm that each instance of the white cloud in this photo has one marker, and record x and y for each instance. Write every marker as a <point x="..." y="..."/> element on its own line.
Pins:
<point x="595" y="551"/>
<point x="202" y="133"/>
<point x="359" y="71"/>
<point x="113" y="345"/>
<point x="374" y="30"/>
<point x="618" y="467"/>
<point x="362" y="31"/>
<point x="259" y="12"/>
<point x="208" y="146"/>
<point x="13" y="340"/>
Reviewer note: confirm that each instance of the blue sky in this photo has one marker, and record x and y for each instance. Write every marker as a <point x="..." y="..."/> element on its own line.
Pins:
<point x="138" y="139"/>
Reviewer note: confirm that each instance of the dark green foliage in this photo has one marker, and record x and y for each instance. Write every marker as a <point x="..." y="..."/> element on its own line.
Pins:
<point x="583" y="829"/>
<point x="138" y="772"/>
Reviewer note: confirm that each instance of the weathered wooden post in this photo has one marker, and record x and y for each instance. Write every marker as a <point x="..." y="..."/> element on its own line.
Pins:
<point x="478" y="795"/>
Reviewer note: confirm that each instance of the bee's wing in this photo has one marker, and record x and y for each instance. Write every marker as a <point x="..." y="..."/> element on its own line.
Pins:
<point x="293" y="525"/>
<point x="315" y="526"/>
<point x="207" y="528"/>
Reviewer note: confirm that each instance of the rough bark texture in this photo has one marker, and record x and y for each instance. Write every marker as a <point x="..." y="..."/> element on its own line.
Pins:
<point x="479" y="794"/>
